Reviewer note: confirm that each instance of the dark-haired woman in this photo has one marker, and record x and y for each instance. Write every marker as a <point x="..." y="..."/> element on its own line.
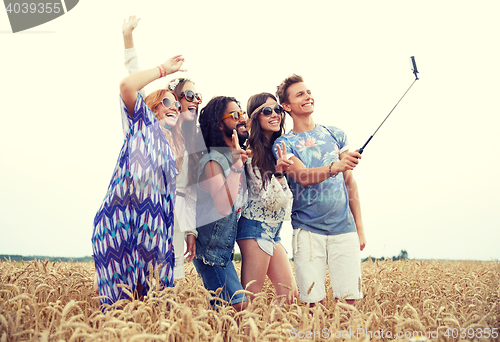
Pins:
<point x="269" y="202"/>
<point x="188" y="138"/>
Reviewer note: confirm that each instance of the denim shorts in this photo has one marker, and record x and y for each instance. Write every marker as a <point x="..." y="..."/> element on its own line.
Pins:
<point x="266" y="234"/>
<point x="226" y="278"/>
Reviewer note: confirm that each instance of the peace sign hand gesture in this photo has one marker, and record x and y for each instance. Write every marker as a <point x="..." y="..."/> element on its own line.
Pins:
<point x="236" y="151"/>
<point x="282" y="163"/>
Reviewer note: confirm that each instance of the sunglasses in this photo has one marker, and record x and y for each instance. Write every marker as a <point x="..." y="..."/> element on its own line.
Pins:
<point x="191" y="96"/>
<point x="236" y="115"/>
<point x="268" y="111"/>
<point x="167" y="103"/>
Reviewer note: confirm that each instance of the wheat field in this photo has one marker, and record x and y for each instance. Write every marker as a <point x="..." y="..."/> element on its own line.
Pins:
<point x="404" y="300"/>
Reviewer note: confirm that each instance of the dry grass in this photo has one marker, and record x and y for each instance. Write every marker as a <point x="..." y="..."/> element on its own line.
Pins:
<point x="42" y="301"/>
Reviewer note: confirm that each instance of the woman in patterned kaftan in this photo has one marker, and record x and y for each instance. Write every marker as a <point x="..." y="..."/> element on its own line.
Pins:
<point x="134" y="226"/>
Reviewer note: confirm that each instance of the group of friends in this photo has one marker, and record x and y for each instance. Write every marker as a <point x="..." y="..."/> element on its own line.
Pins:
<point x="234" y="178"/>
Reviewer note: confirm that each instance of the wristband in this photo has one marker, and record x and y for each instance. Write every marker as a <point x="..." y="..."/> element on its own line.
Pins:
<point x="279" y="175"/>
<point x="237" y="170"/>
<point x="330" y="170"/>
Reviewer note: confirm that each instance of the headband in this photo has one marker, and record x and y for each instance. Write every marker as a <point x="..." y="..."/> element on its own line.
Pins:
<point x="260" y="107"/>
<point x="174" y="83"/>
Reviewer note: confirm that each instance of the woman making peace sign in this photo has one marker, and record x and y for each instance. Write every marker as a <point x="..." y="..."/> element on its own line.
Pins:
<point x="269" y="202"/>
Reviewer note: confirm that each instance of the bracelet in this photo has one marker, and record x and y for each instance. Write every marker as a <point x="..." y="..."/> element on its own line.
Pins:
<point x="237" y="170"/>
<point x="330" y="170"/>
<point x="279" y="175"/>
<point x="163" y="73"/>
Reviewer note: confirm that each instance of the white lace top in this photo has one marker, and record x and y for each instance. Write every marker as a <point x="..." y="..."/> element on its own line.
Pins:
<point x="272" y="203"/>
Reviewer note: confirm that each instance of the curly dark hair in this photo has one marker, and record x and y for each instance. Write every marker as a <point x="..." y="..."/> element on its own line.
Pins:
<point x="261" y="147"/>
<point x="210" y="119"/>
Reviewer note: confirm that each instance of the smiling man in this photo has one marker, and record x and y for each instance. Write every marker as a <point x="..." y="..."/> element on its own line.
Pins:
<point x="326" y="214"/>
<point x="221" y="195"/>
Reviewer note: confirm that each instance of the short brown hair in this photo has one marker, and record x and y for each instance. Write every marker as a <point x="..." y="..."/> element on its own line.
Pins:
<point x="281" y="93"/>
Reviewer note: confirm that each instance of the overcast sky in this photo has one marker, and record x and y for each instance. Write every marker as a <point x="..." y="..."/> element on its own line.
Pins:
<point x="429" y="180"/>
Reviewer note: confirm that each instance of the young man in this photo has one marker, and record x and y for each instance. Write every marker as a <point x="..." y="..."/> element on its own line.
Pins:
<point x="221" y="189"/>
<point x="326" y="214"/>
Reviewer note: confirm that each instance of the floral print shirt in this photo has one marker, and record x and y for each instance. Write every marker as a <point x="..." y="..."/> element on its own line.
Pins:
<point x="321" y="208"/>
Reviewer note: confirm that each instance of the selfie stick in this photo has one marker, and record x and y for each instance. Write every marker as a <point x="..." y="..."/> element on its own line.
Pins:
<point x="415" y="72"/>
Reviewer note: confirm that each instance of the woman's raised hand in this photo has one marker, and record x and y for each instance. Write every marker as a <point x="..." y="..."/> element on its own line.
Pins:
<point x="129" y="25"/>
<point x="282" y="163"/>
<point x="131" y="84"/>
<point x="173" y="64"/>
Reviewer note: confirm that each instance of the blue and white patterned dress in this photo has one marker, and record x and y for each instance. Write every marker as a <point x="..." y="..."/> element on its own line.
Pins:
<point x="133" y="228"/>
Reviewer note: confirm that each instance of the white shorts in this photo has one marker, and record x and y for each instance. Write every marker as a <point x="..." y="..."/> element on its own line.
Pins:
<point x="313" y="252"/>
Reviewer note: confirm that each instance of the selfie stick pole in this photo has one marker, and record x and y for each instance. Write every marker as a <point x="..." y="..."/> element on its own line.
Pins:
<point x="415" y="72"/>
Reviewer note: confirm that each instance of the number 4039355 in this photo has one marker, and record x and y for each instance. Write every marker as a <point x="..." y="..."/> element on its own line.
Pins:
<point x="472" y="333"/>
<point x="41" y="7"/>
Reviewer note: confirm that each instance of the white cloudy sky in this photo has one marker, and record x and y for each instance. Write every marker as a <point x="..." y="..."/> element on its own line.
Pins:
<point x="428" y="181"/>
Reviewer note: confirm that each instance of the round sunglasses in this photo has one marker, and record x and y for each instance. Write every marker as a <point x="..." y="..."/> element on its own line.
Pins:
<point x="268" y="111"/>
<point x="236" y="115"/>
<point x="191" y="96"/>
<point x="167" y="103"/>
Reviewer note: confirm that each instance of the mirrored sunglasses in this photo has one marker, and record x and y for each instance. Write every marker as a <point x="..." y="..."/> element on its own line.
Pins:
<point x="167" y="103"/>
<point x="236" y="115"/>
<point x="268" y="111"/>
<point x="191" y="96"/>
